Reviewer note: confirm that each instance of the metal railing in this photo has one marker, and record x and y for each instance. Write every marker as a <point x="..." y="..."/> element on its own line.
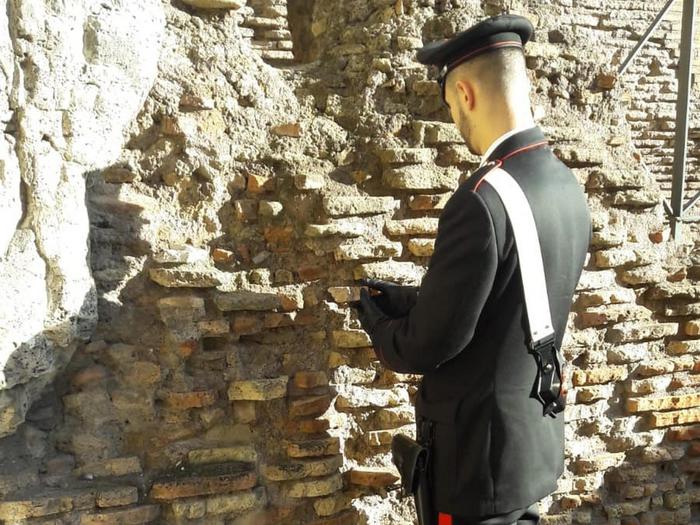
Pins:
<point x="677" y="208"/>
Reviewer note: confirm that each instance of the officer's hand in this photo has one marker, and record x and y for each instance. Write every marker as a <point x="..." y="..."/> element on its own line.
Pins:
<point x="369" y="314"/>
<point x="396" y="300"/>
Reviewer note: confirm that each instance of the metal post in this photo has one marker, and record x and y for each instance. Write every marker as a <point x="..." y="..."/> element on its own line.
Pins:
<point x="682" y="103"/>
<point x="644" y="38"/>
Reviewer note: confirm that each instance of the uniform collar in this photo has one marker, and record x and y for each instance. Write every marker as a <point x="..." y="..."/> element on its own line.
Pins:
<point x="511" y="141"/>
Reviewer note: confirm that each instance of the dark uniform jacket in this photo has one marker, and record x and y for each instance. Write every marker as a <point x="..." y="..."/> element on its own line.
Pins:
<point x="493" y="451"/>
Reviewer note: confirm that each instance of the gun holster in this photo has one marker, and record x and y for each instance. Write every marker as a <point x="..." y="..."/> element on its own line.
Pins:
<point x="550" y="390"/>
<point x="411" y="459"/>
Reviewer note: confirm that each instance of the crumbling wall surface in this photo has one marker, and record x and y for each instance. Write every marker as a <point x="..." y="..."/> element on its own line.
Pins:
<point x="284" y="151"/>
<point x="73" y="76"/>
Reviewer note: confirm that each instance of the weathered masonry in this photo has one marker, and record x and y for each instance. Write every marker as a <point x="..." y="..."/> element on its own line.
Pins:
<point x="191" y="188"/>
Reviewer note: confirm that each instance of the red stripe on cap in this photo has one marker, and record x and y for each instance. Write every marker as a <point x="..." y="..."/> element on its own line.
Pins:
<point x="506" y="43"/>
<point x="444" y="519"/>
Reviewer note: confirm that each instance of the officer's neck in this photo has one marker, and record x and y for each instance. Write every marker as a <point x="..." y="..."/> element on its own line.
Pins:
<point x="499" y="127"/>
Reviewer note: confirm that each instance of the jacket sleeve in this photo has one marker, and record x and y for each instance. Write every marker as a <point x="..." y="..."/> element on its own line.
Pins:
<point x="452" y="294"/>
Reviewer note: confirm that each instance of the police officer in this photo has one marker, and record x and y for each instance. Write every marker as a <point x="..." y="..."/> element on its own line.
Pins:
<point x="494" y="454"/>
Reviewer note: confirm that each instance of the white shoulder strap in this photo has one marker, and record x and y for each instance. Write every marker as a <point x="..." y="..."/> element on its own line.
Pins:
<point x="529" y="252"/>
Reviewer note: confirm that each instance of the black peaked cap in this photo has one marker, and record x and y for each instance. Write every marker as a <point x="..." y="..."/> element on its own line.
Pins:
<point x="491" y="33"/>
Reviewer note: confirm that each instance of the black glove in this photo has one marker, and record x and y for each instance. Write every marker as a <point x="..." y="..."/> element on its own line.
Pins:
<point x="369" y="314"/>
<point x="395" y="299"/>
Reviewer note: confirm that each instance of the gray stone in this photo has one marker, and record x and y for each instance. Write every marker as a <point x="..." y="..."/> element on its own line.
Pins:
<point x="216" y="4"/>
<point x="71" y="112"/>
<point x="421" y="178"/>
<point x="338" y="206"/>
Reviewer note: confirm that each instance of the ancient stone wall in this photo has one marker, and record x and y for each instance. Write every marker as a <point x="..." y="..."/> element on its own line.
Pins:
<point x="73" y="77"/>
<point x="227" y="380"/>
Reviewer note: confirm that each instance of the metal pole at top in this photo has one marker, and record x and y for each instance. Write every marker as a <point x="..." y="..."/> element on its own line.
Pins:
<point x="623" y="67"/>
<point x="682" y="106"/>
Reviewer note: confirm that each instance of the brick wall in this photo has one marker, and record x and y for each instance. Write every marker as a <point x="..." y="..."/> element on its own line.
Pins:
<point x="229" y="381"/>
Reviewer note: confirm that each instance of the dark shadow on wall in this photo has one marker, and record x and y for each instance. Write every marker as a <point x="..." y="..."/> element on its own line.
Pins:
<point x="306" y="47"/>
<point x="38" y="455"/>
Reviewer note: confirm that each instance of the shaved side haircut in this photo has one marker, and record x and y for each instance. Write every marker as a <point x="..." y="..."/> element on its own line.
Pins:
<point x="501" y="71"/>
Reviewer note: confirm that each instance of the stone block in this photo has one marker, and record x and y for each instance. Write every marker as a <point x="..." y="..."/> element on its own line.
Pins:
<point x="351" y="338"/>
<point x="258" y="389"/>
<point x="237" y="502"/>
<point x="336" y="206"/>
<point x="312" y="448"/>
<point x="677" y="417"/>
<point x="394" y="417"/>
<point x="606" y="296"/>
<point x="344" y="374"/>
<point x="595" y="280"/>
<point x="38" y="504"/>
<point x="644" y="198"/>
<point x="351" y="396"/>
<point x="692" y="327"/>
<point x="375" y="477"/>
<point x="310" y="379"/>
<point x="361" y="249"/>
<point x="213" y="327"/>
<point x="401" y="272"/>
<point x="301" y="469"/>
<point x="243" y="453"/>
<point x="643" y="404"/>
<point x="270" y="208"/>
<point x="421" y="178"/>
<point x="187" y="400"/>
<point x="110" y="467"/>
<point x="428" y="202"/>
<point x="395" y="156"/>
<point x="598" y="463"/>
<point x="598" y="376"/>
<point x="591" y="394"/>
<point x="200" y="485"/>
<point x="608" y="314"/>
<point x="331" y="505"/>
<point x="437" y="133"/>
<point x="116" y="496"/>
<point x="181" y="309"/>
<point x="313" y="487"/>
<point x="246" y="300"/>
<point x="419" y="226"/>
<point x="137" y="515"/>
<point x="421" y="247"/>
<point x="292" y="129"/>
<point x="340" y="228"/>
<point x="311" y="181"/>
<point x="683" y="347"/>
<point x="632" y="352"/>
<point x="185" y="254"/>
<point x="186" y="276"/>
<point x="309" y="406"/>
<point x="216" y="4"/>
<point x="630" y="332"/>
<point x="614" y="257"/>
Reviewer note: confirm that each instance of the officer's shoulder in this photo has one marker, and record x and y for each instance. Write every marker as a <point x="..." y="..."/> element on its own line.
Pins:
<point x="467" y="197"/>
<point x="472" y="181"/>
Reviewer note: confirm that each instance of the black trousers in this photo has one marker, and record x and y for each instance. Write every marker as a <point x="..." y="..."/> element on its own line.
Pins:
<point x="527" y="516"/>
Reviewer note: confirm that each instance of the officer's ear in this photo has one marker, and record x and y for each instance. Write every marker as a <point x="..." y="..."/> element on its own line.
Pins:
<point x="465" y="94"/>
